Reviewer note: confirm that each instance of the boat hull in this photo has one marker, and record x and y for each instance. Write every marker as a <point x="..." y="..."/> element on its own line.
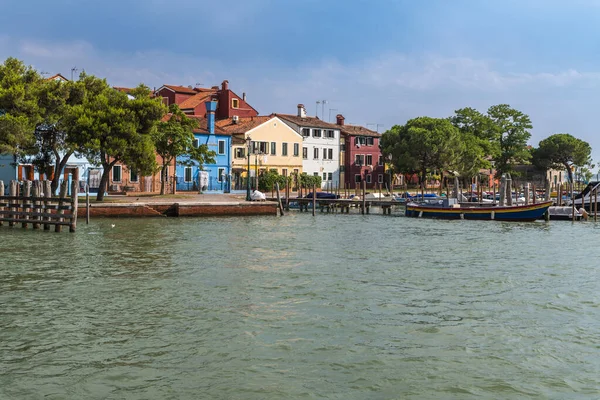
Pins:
<point x="529" y="212"/>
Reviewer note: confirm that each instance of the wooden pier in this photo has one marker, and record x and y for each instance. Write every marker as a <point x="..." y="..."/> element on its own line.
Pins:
<point x="32" y="203"/>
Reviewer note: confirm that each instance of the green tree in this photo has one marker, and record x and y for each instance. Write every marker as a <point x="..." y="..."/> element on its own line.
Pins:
<point x="174" y="137"/>
<point x="562" y="150"/>
<point x="423" y="144"/>
<point x="510" y="129"/>
<point x="19" y="111"/>
<point x="477" y="137"/>
<point x="267" y="180"/>
<point x="114" y="129"/>
<point x="307" y="181"/>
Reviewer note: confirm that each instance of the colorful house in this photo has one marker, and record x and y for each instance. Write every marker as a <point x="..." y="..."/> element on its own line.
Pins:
<point x="207" y="177"/>
<point x="363" y="160"/>
<point x="320" y="146"/>
<point x="267" y="143"/>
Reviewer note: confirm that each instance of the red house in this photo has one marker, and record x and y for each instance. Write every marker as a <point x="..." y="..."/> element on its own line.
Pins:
<point x="191" y="100"/>
<point x="361" y="154"/>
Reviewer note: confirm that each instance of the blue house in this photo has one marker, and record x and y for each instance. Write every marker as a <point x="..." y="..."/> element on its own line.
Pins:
<point x="207" y="177"/>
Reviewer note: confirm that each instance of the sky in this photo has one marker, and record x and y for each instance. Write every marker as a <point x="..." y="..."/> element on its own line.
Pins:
<point x="377" y="62"/>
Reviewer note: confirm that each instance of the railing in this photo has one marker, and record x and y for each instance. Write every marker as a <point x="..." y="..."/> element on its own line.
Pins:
<point x="33" y="203"/>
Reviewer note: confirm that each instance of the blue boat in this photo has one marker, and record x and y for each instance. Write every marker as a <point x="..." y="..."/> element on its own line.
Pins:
<point x="444" y="210"/>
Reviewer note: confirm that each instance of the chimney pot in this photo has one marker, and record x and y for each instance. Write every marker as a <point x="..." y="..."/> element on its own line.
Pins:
<point x="244" y="96"/>
<point x="340" y="119"/>
<point x="301" y="111"/>
<point x="225" y="85"/>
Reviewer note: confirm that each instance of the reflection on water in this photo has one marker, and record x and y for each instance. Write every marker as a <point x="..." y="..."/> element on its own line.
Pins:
<point x="336" y="306"/>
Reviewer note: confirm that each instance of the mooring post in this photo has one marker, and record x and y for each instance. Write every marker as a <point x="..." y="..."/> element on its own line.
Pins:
<point x="61" y="201"/>
<point x="12" y="192"/>
<point x="47" y="197"/>
<point x="74" y="204"/>
<point x="26" y="202"/>
<point x="287" y="194"/>
<point x="87" y="204"/>
<point x="35" y="193"/>
<point x="596" y="205"/>
<point x="364" y="195"/>
<point x="279" y="199"/>
<point x="314" y="199"/>
<point x="1" y="207"/>
<point x="573" y="200"/>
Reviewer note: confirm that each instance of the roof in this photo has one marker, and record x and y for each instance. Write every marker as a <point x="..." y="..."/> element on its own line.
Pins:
<point x="243" y="125"/>
<point x="355" y="130"/>
<point x="123" y="89"/>
<point x="192" y="102"/>
<point x="311" y="122"/>
<point x="180" y="89"/>
<point x="57" y="76"/>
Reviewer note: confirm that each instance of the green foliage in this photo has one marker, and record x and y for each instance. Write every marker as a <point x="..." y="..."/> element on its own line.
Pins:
<point x="423" y="144"/>
<point x="510" y="132"/>
<point x="562" y="150"/>
<point x="477" y="135"/>
<point x="267" y="180"/>
<point x="307" y="181"/>
<point x="19" y="111"/>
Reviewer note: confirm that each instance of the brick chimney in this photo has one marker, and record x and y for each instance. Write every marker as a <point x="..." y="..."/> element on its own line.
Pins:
<point x="225" y="85"/>
<point x="301" y="111"/>
<point x="340" y="119"/>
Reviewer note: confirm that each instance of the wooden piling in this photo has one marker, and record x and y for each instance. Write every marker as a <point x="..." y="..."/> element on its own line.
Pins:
<point x="87" y="204"/>
<point x="61" y="202"/>
<point x="596" y="205"/>
<point x="314" y="199"/>
<point x="287" y="194"/>
<point x="74" y="204"/>
<point x="573" y="200"/>
<point x="47" y="196"/>
<point x="36" y="194"/>
<point x="364" y="195"/>
<point x="534" y="193"/>
<point x="26" y="202"/>
<point x="279" y="199"/>
<point x="12" y="192"/>
<point x="1" y="194"/>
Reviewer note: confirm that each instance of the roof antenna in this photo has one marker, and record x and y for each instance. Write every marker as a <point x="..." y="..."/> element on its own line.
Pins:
<point x="73" y="70"/>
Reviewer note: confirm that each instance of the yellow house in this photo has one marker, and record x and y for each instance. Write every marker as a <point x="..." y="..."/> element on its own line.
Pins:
<point x="272" y="145"/>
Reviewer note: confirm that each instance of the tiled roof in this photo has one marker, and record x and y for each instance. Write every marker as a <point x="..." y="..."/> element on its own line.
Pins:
<point x="194" y="101"/>
<point x="181" y="89"/>
<point x="311" y="122"/>
<point x="243" y="125"/>
<point x="123" y="89"/>
<point x="57" y="76"/>
<point x="356" y="130"/>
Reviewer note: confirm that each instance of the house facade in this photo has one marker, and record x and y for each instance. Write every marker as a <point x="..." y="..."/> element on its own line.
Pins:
<point x="363" y="160"/>
<point x="207" y="177"/>
<point x="267" y="142"/>
<point x="320" y="146"/>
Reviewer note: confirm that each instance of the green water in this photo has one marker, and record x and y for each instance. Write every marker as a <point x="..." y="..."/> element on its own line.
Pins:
<point x="333" y="307"/>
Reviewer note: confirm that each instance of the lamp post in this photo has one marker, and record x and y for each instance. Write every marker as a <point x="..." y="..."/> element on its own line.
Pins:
<point x="248" y="143"/>
<point x="389" y="157"/>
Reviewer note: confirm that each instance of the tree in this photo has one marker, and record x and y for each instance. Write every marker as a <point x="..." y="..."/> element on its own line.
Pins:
<point x="19" y="111"/>
<point x="174" y="137"/>
<point x="510" y="131"/>
<point x="114" y="129"/>
<point x="562" y="150"/>
<point x="477" y="136"/>
<point x="424" y="143"/>
<point x="267" y="180"/>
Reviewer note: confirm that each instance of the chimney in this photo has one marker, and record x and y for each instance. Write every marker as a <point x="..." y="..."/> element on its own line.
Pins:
<point x="211" y="107"/>
<point x="244" y="96"/>
<point x="301" y="111"/>
<point x="340" y="119"/>
<point x="225" y="85"/>
<point x="215" y="88"/>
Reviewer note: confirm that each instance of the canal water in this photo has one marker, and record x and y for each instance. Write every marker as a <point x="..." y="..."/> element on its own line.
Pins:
<point x="332" y="306"/>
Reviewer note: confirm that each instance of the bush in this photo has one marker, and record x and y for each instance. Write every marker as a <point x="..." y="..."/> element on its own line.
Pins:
<point x="267" y="180"/>
<point x="307" y="181"/>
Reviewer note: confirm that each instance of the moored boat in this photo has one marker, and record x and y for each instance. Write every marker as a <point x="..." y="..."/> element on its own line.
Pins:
<point x="448" y="210"/>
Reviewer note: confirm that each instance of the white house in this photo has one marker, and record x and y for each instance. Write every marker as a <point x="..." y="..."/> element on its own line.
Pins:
<point x="320" y="146"/>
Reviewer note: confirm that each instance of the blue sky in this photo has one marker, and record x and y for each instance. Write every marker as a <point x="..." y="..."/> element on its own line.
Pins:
<point x="377" y="61"/>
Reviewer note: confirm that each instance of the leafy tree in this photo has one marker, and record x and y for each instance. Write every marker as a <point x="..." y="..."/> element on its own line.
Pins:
<point x="174" y="137"/>
<point x="19" y="111"/>
<point x="267" y="180"/>
<point x="510" y="129"/>
<point x="477" y="137"/>
<point x="423" y="144"/>
<point x="562" y="150"/>
<point x="308" y="181"/>
<point x="114" y="129"/>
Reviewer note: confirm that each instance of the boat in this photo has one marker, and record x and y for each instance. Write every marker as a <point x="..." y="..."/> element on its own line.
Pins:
<point x="587" y="198"/>
<point x="451" y="209"/>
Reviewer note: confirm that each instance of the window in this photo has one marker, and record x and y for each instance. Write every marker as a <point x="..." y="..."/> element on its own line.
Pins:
<point x="284" y="171"/>
<point x="369" y="160"/>
<point x="331" y="154"/>
<point x="324" y="176"/>
<point x="221" y="175"/>
<point x="316" y="133"/>
<point x="359" y="159"/>
<point x="221" y="149"/>
<point x="369" y="141"/>
<point x="316" y="153"/>
<point x="196" y="143"/>
<point x="235" y="103"/>
<point x="133" y="176"/>
<point x="324" y="154"/>
<point x="116" y="172"/>
<point x="330" y="176"/>
<point x="369" y="178"/>
<point x="357" y="178"/>
<point x="306" y="132"/>
<point x="380" y="160"/>
<point x="240" y="152"/>
<point x="284" y="149"/>
<point x="330" y="134"/>
<point x="342" y="146"/>
<point x="359" y="140"/>
<point x="260" y="147"/>
<point x="304" y="153"/>
<point x="187" y="174"/>
<point x="380" y="178"/>
<point x="296" y="149"/>
<point x="273" y="148"/>
<point x="315" y="174"/>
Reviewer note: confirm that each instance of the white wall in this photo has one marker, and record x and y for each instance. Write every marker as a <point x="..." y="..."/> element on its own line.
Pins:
<point x="311" y="165"/>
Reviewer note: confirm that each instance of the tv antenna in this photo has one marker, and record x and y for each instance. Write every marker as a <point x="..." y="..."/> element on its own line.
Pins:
<point x="73" y="70"/>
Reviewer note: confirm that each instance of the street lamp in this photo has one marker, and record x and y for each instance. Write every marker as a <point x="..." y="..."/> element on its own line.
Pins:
<point x="389" y="157"/>
<point x="248" y="143"/>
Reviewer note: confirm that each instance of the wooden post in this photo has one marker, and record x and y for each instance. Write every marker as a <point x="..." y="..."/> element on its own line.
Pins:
<point x="364" y="195"/>
<point x="527" y="194"/>
<point x="26" y="200"/>
<point x="36" y="193"/>
<point x="279" y="199"/>
<point x="74" y="204"/>
<point x="596" y="205"/>
<point x="1" y="195"/>
<point x="534" y="193"/>
<point x="287" y="194"/>
<point x="61" y="202"/>
<point x="573" y="200"/>
<point x="13" y="190"/>
<point x="87" y="203"/>
<point x="314" y="199"/>
<point x="559" y="194"/>
<point x="494" y="192"/>
<point x="47" y="196"/>
<point x="380" y="192"/>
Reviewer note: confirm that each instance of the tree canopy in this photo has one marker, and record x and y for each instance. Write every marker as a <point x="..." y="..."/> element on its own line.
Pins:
<point x="510" y="132"/>
<point x="562" y="150"/>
